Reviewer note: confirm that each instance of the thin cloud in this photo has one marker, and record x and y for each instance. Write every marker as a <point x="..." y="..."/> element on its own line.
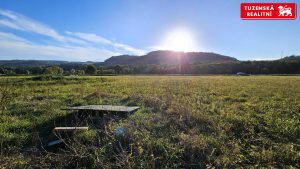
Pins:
<point x="20" y="22"/>
<point x="99" y="39"/>
<point x="129" y="48"/>
<point x="16" y="47"/>
<point x="80" y="45"/>
<point x="4" y="36"/>
<point x="7" y="23"/>
<point x="89" y="37"/>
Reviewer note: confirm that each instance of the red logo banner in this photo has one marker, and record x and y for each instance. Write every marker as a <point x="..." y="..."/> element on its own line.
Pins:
<point x="252" y="11"/>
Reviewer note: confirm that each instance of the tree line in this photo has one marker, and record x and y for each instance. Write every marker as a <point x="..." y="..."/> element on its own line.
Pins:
<point x="288" y="65"/>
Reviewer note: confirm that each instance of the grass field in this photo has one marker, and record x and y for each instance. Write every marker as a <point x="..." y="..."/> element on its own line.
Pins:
<point x="184" y="122"/>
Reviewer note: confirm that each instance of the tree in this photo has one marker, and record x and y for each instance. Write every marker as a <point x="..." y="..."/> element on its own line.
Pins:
<point x="22" y="71"/>
<point x="2" y="70"/>
<point x="79" y="72"/>
<point x="126" y="70"/>
<point x="184" y="68"/>
<point x="54" y="70"/>
<point x="117" y="69"/>
<point x="90" y="69"/>
<point x="36" y="70"/>
<point x="72" y="71"/>
<point x="100" y="71"/>
<point x="9" y="72"/>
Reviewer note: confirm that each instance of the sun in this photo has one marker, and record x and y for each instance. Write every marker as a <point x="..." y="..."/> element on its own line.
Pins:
<point x="179" y="40"/>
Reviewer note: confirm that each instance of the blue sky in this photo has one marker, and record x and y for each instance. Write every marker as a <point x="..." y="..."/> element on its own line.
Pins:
<point x="94" y="30"/>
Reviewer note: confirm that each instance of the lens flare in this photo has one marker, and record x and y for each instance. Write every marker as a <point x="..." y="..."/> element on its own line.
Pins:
<point x="179" y="40"/>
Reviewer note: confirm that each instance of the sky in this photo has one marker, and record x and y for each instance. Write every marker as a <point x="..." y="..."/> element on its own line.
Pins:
<point x="94" y="30"/>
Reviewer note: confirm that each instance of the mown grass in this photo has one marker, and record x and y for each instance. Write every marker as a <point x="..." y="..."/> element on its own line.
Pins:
<point x="184" y="122"/>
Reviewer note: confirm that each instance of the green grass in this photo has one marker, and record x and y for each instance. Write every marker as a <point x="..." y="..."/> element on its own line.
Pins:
<point x="184" y="122"/>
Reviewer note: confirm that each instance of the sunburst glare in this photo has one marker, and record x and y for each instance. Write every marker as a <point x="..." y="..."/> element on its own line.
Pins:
<point x="179" y="39"/>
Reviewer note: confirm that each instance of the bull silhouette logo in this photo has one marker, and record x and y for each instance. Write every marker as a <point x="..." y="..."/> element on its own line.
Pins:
<point x="285" y="11"/>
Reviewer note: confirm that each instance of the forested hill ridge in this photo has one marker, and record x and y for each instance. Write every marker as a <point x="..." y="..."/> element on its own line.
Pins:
<point x="157" y="62"/>
<point x="164" y="57"/>
<point x="161" y="57"/>
<point x="30" y="63"/>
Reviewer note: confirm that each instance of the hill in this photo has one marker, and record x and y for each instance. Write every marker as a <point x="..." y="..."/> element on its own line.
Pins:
<point x="155" y="57"/>
<point x="121" y="60"/>
<point x="30" y="63"/>
<point x="162" y="62"/>
<point x="44" y="63"/>
<point x="169" y="58"/>
<point x="292" y="58"/>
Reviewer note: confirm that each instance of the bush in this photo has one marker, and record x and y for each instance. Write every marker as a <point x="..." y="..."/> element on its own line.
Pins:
<point x="90" y="69"/>
<point x="46" y="77"/>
